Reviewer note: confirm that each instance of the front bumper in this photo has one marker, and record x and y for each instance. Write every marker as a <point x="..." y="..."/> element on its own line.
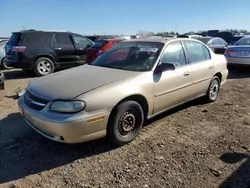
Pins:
<point x="85" y="127"/>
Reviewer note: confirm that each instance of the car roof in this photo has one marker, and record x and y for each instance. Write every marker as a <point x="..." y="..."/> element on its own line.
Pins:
<point x="41" y="31"/>
<point x="152" y="39"/>
<point x="110" y="40"/>
<point x="246" y="36"/>
<point x="208" y="37"/>
<point x="161" y="39"/>
<point x="240" y="35"/>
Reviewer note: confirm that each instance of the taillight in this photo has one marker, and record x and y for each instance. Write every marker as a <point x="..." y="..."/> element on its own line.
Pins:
<point x="228" y="51"/>
<point x="19" y="49"/>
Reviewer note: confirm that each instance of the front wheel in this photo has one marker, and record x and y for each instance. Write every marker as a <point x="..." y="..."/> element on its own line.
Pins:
<point x="43" y="66"/>
<point x="213" y="90"/>
<point x="126" y="123"/>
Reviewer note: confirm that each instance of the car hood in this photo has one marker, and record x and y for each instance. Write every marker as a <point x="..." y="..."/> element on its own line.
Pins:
<point x="73" y="82"/>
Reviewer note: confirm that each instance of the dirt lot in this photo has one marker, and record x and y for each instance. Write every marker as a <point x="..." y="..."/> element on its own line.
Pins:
<point x="197" y="145"/>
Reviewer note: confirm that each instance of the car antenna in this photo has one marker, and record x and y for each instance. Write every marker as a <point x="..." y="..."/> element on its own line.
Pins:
<point x="23" y="27"/>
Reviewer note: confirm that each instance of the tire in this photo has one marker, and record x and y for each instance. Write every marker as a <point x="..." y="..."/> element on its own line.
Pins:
<point x="213" y="90"/>
<point x="43" y="66"/>
<point x="4" y="66"/>
<point x="118" y="132"/>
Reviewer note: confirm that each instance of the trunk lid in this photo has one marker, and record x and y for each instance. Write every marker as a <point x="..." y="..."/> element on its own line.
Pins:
<point x="239" y="51"/>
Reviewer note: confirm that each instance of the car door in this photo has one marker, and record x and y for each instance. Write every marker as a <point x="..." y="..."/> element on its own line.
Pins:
<point x="172" y="87"/>
<point x="64" y="48"/>
<point x="201" y="66"/>
<point x="81" y="44"/>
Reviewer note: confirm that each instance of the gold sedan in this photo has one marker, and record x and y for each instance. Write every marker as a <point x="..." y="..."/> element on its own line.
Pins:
<point x="132" y="82"/>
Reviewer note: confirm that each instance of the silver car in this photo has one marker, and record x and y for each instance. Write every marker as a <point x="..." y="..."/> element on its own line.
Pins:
<point x="239" y="53"/>
<point x="132" y="82"/>
<point x="3" y="63"/>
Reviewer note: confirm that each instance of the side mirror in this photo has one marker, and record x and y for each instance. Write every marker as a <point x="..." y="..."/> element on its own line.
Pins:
<point x="164" y="67"/>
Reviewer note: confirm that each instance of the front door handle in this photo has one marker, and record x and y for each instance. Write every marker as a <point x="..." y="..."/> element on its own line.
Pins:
<point x="210" y="67"/>
<point x="186" y="73"/>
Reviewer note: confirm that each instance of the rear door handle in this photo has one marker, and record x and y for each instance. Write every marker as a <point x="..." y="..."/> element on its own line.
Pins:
<point x="186" y="73"/>
<point x="210" y="67"/>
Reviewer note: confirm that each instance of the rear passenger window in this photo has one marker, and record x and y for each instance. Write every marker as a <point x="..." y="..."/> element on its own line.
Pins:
<point x="207" y="52"/>
<point x="174" y="54"/>
<point x="63" y="39"/>
<point x="38" y="39"/>
<point x="195" y="51"/>
<point x="215" y="42"/>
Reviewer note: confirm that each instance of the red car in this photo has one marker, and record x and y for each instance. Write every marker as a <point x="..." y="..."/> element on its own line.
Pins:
<point x="99" y="48"/>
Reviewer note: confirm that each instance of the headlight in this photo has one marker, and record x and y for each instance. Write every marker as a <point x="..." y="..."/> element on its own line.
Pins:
<point x="67" y="106"/>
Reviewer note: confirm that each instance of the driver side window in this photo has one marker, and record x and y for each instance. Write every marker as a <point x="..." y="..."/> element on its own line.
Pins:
<point x="174" y="54"/>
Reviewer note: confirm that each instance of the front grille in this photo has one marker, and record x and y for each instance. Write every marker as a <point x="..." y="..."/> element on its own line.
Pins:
<point x="34" y="102"/>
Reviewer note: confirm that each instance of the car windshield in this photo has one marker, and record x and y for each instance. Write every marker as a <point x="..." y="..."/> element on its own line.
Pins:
<point x="133" y="56"/>
<point x="236" y="38"/>
<point x="243" y="41"/>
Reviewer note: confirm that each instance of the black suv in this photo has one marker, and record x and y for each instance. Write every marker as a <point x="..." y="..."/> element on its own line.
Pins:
<point x="45" y="51"/>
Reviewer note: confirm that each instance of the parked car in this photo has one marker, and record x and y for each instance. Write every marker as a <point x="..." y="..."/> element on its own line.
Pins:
<point x="225" y="35"/>
<point x="99" y="48"/>
<point x="2" y="78"/>
<point x="3" y="63"/>
<point x="239" y="53"/>
<point x="45" y="51"/>
<point x="212" y="32"/>
<point x="218" y="45"/>
<point x="134" y="81"/>
<point x="236" y="38"/>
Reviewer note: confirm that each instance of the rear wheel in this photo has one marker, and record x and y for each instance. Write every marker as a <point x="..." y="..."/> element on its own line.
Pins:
<point x="43" y="66"/>
<point x="213" y="90"/>
<point x="5" y="65"/>
<point x="125" y="123"/>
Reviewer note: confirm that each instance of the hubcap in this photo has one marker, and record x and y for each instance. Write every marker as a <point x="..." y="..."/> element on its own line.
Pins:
<point x="44" y="67"/>
<point x="213" y="92"/>
<point x="127" y="122"/>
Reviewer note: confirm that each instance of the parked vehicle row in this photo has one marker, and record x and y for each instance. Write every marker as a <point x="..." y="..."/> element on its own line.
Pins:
<point x="113" y="96"/>
<point x="43" y="52"/>
<point x="218" y="45"/>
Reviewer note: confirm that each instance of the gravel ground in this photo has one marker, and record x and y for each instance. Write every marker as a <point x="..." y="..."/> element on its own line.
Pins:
<point x="196" y="145"/>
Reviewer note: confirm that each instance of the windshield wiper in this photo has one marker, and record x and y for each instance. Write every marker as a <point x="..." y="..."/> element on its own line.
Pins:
<point x="106" y="66"/>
